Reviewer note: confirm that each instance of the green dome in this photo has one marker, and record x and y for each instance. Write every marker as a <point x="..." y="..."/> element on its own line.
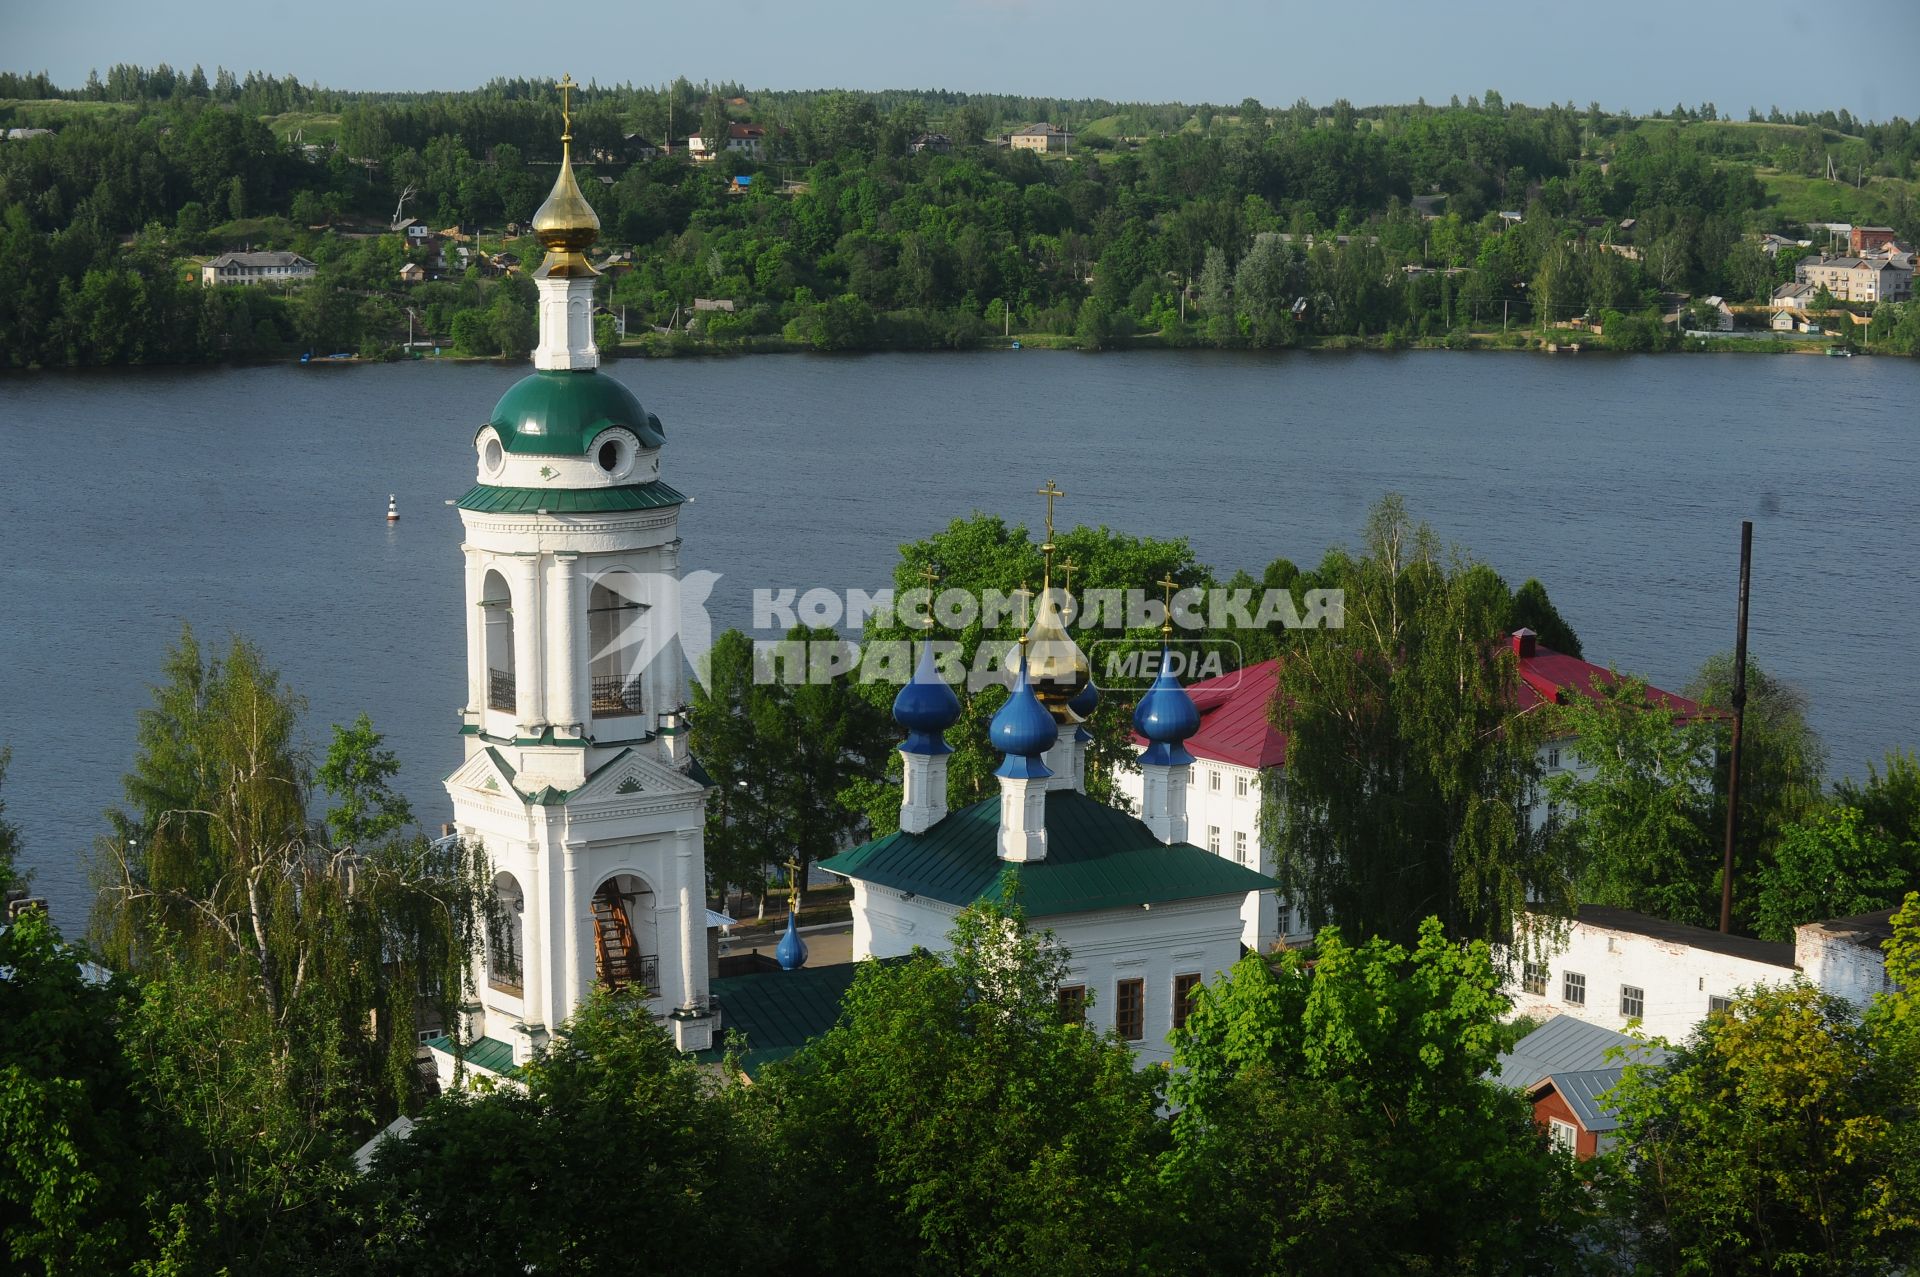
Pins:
<point x="557" y="413"/>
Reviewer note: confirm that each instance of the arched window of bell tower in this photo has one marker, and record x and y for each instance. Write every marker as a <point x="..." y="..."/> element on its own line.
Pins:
<point x="496" y="606"/>
<point x="504" y="932"/>
<point x="616" y="639"/>
<point x="625" y="934"/>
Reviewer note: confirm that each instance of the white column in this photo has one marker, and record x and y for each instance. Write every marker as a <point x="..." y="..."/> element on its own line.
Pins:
<point x="566" y="324"/>
<point x="1023" y="819"/>
<point x="923" y="791"/>
<point x="528" y="680"/>
<point x="572" y="906"/>
<point x="476" y="638"/>
<point x="534" y="971"/>
<point x="693" y="921"/>
<point x="564" y="626"/>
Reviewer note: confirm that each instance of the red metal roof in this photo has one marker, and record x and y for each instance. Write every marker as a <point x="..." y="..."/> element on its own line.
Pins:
<point x="1235" y="726"/>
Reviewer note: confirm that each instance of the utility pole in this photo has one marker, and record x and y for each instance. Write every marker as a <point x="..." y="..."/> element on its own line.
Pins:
<point x="1739" y="718"/>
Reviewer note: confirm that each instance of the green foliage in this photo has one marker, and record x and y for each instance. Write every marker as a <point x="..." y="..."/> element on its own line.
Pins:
<point x="1641" y="811"/>
<point x="1533" y="610"/>
<point x="1889" y="803"/>
<point x="952" y="1122"/>
<point x="1372" y="1058"/>
<point x="359" y="773"/>
<point x="1410" y="766"/>
<point x="613" y="1127"/>
<point x="790" y="763"/>
<point x="1772" y="1142"/>
<point x="9" y="832"/>
<point x="1832" y="865"/>
<point x="80" y="1148"/>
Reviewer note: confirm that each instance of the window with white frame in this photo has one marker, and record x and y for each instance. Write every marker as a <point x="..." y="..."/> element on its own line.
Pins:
<point x="1213" y="839"/>
<point x="1553" y="758"/>
<point x="1239" y="846"/>
<point x="1633" y="1001"/>
<point x="1533" y="978"/>
<point x="1213" y="779"/>
<point x="1564" y="1136"/>
<point x="1573" y="989"/>
<point x="1717" y="1004"/>
<point x="1242" y="785"/>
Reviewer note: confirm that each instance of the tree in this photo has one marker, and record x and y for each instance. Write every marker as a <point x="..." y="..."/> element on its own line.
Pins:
<point x="1832" y="865"/>
<point x="281" y="976"/>
<point x="1533" y="610"/>
<point x="1410" y="766"/>
<point x="1889" y="804"/>
<point x="1782" y="763"/>
<point x="359" y="773"/>
<point x="1770" y="1142"/>
<point x="1387" y="1051"/>
<point x="9" y="832"/>
<point x="952" y="1121"/>
<point x="1640" y="808"/>
<point x="792" y="763"/>
<point x="609" y="1126"/>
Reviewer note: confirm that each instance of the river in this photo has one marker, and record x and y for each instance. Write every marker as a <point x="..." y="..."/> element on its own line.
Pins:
<point x="253" y="500"/>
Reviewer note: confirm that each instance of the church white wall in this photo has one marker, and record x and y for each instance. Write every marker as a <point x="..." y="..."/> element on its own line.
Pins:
<point x="1153" y="945"/>
<point x="1219" y="819"/>
<point x="1677" y="980"/>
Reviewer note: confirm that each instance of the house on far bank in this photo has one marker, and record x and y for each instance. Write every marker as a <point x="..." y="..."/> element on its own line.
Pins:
<point x="1722" y="319"/>
<point x="1793" y="321"/>
<point x="256" y="268"/>
<point x="931" y="143"/>
<point x="1846" y="956"/>
<point x="1041" y="137"/>
<point x="412" y="273"/>
<point x="1771" y="244"/>
<point x="1566" y="1067"/>
<point x="1793" y="296"/>
<point x="1618" y="969"/>
<point x="749" y="140"/>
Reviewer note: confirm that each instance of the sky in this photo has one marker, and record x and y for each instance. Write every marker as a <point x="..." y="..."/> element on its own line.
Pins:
<point x="1637" y="55"/>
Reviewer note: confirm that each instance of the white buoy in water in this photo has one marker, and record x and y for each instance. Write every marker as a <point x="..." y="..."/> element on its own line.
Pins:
<point x="393" y="510"/>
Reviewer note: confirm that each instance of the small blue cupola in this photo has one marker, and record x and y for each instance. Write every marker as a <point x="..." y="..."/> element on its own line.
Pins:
<point x="925" y="708"/>
<point x="1166" y="716"/>
<point x="1083" y="706"/>
<point x="1023" y="730"/>
<point x="791" y="952"/>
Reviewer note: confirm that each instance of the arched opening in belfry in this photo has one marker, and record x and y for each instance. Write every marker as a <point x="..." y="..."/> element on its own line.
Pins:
<point x="615" y="638"/>
<point x="625" y="934"/>
<point x="496" y="609"/>
<point x="505" y="935"/>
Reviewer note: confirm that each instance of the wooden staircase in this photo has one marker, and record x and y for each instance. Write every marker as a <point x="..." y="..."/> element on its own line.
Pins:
<point x="615" y="947"/>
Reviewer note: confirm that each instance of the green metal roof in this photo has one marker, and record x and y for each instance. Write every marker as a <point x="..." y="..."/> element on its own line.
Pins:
<point x="634" y="496"/>
<point x="778" y="1012"/>
<point x="490" y="1054"/>
<point x="1098" y="857"/>
<point x="557" y="413"/>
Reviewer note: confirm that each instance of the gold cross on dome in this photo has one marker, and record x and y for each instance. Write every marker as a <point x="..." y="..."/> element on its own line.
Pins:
<point x="930" y="575"/>
<point x="1167" y="586"/>
<point x="793" y="885"/>
<point x="566" y="87"/>
<point x="1050" y="492"/>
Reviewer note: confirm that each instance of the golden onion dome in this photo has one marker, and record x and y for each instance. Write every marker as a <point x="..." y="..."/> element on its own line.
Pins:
<point x="1057" y="668"/>
<point x="566" y="224"/>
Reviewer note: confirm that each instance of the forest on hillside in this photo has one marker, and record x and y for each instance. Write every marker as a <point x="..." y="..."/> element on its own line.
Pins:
<point x="1241" y="225"/>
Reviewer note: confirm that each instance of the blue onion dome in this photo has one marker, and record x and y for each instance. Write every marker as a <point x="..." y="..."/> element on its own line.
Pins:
<point x="1023" y="730"/>
<point x="926" y="707"/>
<point x="791" y="952"/>
<point x="1083" y="706"/>
<point x="1166" y="716"/>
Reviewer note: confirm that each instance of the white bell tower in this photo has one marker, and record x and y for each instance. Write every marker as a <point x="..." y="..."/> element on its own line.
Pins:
<point x="577" y="780"/>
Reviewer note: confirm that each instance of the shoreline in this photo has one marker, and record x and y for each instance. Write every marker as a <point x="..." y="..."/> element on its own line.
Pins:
<point x="1529" y="344"/>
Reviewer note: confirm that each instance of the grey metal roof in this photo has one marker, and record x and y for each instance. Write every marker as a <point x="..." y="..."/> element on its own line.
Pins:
<point x="1582" y="1090"/>
<point x="1874" y="929"/>
<point x="1568" y="1044"/>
